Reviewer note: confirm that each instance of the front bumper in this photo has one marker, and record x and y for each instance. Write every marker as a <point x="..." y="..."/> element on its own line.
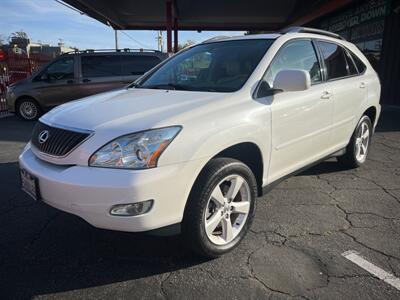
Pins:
<point x="90" y="192"/>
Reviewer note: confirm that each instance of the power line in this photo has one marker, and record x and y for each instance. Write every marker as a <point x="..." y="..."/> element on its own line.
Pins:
<point x="135" y="40"/>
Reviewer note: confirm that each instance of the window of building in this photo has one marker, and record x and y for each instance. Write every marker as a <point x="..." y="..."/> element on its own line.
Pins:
<point x="101" y="66"/>
<point x="138" y="64"/>
<point x="335" y="60"/>
<point x="297" y="55"/>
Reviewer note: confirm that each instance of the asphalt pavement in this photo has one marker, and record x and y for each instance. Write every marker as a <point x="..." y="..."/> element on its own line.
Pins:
<point x="296" y="248"/>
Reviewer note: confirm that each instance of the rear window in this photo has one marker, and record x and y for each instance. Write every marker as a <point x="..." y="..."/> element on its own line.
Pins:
<point x="360" y="65"/>
<point x="138" y="64"/>
<point x="351" y="67"/>
<point x="335" y="60"/>
<point x="101" y="66"/>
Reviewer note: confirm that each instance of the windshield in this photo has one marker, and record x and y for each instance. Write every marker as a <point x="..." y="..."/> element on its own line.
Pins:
<point x="214" y="67"/>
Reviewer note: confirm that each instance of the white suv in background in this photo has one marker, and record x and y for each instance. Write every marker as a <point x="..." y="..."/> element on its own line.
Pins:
<point x="192" y="143"/>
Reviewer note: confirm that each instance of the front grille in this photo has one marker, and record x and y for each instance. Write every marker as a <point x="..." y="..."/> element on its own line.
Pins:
<point x="56" y="141"/>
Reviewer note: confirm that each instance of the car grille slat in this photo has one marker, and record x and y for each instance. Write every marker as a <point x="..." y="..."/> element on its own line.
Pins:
<point x="59" y="141"/>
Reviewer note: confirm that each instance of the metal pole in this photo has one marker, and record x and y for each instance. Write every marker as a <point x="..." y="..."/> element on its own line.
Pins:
<point x="175" y="35"/>
<point x="116" y="39"/>
<point x="169" y="25"/>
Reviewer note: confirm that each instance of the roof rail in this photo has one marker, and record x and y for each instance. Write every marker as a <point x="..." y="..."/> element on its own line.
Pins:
<point x="311" y="30"/>
<point x="216" y="38"/>
<point x="110" y="50"/>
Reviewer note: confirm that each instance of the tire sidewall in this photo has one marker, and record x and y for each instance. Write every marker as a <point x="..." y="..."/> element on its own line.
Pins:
<point x="367" y="120"/>
<point x="30" y="101"/>
<point x="233" y="168"/>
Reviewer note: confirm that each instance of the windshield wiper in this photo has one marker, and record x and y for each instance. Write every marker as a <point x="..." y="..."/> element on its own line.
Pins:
<point x="166" y="86"/>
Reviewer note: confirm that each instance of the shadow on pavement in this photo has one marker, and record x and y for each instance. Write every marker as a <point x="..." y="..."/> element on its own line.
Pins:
<point x="43" y="250"/>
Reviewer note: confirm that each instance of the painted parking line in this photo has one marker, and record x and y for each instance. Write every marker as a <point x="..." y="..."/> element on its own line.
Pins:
<point x="371" y="268"/>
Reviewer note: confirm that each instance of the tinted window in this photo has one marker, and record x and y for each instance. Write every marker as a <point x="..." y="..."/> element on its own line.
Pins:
<point x="215" y="67"/>
<point x="297" y="55"/>
<point x="335" y="60"/>
<point x="351" y="68"/>
<point x="138" y="64"/>
<point x="61" y="69"/>
<point x="101" y="65"/>
<point x="360" y="65"/>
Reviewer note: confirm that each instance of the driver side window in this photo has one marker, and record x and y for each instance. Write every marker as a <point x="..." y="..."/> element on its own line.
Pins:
<point x="296" y="55"/>
<point x="61" y="69"/>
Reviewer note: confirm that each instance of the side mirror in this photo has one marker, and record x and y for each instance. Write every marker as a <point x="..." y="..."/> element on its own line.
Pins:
<point x="44" y="77"/>
<point x="292" y="80"/>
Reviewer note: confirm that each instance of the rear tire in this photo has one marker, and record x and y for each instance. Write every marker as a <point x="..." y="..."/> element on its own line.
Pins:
<point x="358" y="147"/>
<point x="220" y="208"/>
<point x="28" y="109"/>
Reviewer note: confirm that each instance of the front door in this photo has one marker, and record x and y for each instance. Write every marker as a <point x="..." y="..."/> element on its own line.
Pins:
<point x="301" y="122"/>
<point x="57" y="83"/>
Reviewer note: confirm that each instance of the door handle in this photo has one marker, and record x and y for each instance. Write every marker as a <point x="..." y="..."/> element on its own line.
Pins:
<point x="86" y="80"/>
<point x="362" y="85"/>
<point x="326" y="95"/>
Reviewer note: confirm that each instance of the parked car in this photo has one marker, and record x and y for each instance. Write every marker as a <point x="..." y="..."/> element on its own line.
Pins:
<point x="78" y="74"/>
<point x="190" y="154"/>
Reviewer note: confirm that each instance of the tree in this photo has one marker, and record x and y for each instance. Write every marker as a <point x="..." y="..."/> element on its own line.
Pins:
<point x="19" y="34"/>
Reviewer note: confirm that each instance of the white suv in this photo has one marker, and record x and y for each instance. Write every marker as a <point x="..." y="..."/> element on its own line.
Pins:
<point x="192" y="143"/>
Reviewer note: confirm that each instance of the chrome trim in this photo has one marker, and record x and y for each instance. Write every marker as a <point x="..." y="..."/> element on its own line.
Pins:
<point x="86" y="131"/>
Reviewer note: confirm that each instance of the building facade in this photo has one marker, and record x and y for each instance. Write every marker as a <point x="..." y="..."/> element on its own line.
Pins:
<point x="374" y="26"/>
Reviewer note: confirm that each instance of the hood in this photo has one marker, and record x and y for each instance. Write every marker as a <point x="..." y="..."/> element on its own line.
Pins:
<point x="130" y="110"/>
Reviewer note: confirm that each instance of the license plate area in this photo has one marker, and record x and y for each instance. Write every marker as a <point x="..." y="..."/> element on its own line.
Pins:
<point x="30" y="184"/>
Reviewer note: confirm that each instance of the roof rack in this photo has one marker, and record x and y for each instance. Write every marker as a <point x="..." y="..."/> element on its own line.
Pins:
<point x="111" y="50"/>
<point x="216" y="38"/>
<point x="297" y="29"/>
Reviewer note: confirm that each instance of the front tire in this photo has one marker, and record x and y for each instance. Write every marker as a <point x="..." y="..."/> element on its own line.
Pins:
<point x="28" y="109"/>
<point x="220" y="207"/>
<point x="358" y="147"/>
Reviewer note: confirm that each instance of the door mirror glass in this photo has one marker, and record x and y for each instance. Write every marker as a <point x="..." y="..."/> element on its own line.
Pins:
<point x="292" y="80"/>
<point x="44" y="77"/>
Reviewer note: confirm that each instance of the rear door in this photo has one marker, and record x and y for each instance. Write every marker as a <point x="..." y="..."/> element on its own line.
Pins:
<point x="135" y="65"/>
<point x="301" y="121"/>
<point x="100" y="73"/>
<point x="348" y="89"/>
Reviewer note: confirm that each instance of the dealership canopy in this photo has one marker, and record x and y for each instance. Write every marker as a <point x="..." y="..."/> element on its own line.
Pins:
<point x="204" y="14"/>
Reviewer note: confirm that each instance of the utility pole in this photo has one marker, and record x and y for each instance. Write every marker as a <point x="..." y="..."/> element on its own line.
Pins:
<point x="160" y="42"/>
<point x="116" y="39"/>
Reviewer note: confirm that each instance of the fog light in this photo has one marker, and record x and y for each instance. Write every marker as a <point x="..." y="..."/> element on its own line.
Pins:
<point x="131" y="209"/>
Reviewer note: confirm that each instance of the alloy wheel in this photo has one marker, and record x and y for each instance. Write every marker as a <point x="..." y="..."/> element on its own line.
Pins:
<point x="362" y="142"/>
<point x="28" y="110"/>
<point x="227" y="209"/>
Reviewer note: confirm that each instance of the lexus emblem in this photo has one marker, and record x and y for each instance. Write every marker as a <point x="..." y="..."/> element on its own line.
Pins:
<point x="43" y="136"/>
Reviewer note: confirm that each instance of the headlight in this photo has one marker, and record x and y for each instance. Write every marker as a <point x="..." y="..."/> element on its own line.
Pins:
<point x="139" y="150"/>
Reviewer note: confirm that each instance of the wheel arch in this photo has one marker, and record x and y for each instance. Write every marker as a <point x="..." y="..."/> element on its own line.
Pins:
<point x="20" y="98"/>
<point x="371" y="113"/>
<point x="250" y="154"/>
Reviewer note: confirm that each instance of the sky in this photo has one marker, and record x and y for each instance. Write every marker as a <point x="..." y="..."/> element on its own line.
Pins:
<point x="48" y="21"/>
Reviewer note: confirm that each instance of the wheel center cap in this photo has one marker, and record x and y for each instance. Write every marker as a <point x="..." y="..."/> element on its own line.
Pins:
<point x="226" y="207"/>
